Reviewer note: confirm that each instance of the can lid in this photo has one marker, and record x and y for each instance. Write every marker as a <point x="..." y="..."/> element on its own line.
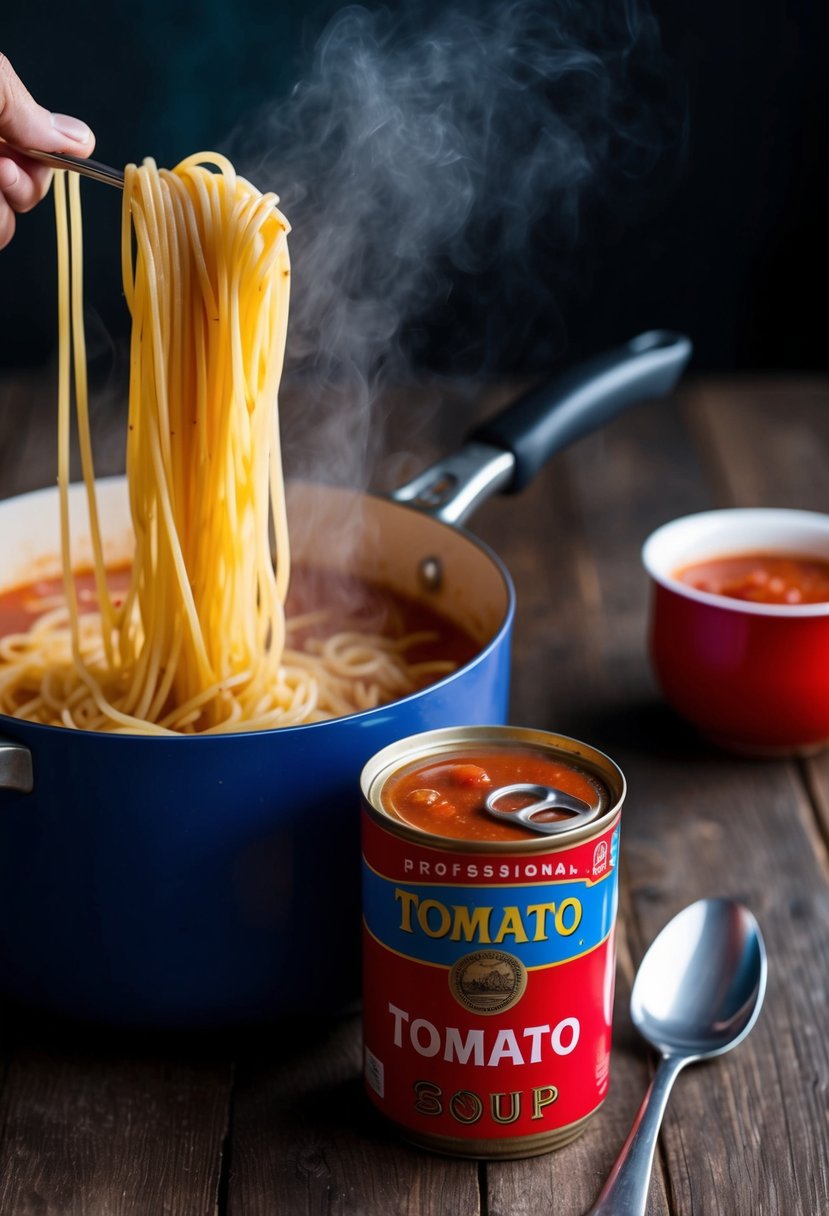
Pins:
<point x="594" y="814"/>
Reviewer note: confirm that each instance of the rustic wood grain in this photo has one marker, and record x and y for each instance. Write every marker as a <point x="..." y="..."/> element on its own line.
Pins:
<point x="306" y="1140"/>
<point x="780" y="429"/>
<point x="708" y="824"/>
<point x="816" y="776"/>
<point x="768" y="439"/>
<point x="566" y="1182"/>
<point x="780" y="433"/>
<point x="696" y="822"/>
<point x="565" y="601"/>
<point x="100" y="1126"/>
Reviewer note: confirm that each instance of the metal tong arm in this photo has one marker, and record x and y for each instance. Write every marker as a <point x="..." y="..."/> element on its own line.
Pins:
<point x="78" y="164"/>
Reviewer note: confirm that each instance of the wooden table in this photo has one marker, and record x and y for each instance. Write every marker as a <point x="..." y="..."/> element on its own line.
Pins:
<point x="275" y="1122"/>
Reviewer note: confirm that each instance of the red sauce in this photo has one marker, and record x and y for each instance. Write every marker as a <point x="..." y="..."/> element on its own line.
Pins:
<point x="360" y="604"/>
<point x="761" y="578"/>
<point x="446" y="795"/>
<point x="21" y="606"/>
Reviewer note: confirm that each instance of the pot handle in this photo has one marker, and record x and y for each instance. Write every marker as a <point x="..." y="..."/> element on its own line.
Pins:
<point x="506" y="452"/>
<point x="16" y="772"/>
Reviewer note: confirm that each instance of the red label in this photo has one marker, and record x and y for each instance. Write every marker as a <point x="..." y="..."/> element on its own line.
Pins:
<point x="488" y="995"/>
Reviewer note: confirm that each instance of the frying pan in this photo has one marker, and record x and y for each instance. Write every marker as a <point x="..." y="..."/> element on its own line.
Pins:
<point x="191" y="881"/>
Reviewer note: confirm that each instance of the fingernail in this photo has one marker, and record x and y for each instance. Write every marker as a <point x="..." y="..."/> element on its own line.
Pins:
<point x="72" y="128"/>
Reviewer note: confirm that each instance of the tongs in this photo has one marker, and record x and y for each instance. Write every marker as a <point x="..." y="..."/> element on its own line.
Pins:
<point x="88" y="168"/>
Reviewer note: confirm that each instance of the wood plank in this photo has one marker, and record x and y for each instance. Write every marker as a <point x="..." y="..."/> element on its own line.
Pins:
<point x="691" y="812"/>
<point x="272" y="1123"/>
<point x="566" y="1182"/>
<point x="816" y="776"/>
<point x="772" y="1091"/>
<point x="767" y="439"/>
<point x="745" y="1134"/>
<point x="789" y="419"/>
<point x="698" y="823"/>
<point x="96" y="1122"/>
<point x="759" y="814"/>
<point x="578" y="631"/>
<point x="304" y="1136"/>
<point x="305" y="1139"/>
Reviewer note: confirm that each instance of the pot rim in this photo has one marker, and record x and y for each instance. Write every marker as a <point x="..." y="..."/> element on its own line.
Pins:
<point x="7" y="722"/>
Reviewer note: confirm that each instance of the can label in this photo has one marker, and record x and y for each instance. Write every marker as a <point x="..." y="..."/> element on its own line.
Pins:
<point x="489" y="985"/>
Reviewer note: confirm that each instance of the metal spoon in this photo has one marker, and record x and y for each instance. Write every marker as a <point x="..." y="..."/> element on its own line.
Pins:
<point x="78" y="164"/>
<point x="697" y="994"/>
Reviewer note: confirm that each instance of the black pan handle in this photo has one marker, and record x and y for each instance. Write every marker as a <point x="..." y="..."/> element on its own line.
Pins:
<point x="505" y="453"/>
<point x="556" y="414"/>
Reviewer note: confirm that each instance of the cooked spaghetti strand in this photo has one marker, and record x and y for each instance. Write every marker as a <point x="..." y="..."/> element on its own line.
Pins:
<point x="197" y="643"/>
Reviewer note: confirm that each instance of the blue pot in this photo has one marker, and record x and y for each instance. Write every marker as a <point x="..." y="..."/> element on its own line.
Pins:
<point x="189" y="881"/>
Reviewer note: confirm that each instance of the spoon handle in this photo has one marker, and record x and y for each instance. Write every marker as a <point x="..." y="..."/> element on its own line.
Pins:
<point x="626" y="1191"/>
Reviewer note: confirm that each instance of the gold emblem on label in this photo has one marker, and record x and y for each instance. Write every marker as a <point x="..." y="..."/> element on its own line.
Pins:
<point x="488" y="981"/>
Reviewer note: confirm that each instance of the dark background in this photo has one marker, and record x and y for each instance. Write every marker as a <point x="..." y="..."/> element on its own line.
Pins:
<point x="725" y="240"/>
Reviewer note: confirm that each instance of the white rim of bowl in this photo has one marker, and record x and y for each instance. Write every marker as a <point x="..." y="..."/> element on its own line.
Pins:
<point x="717" y="527"/>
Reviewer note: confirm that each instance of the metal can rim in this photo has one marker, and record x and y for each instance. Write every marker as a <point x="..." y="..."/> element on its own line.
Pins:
<point x="404" y="751"/>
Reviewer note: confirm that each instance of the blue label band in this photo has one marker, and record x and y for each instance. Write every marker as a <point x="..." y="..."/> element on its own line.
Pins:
<point x="541" y="924"/>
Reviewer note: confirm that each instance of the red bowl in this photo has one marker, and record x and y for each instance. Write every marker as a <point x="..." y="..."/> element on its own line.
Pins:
<point x="752" y="677"/>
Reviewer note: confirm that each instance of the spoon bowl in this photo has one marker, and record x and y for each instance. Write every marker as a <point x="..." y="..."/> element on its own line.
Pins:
<point x="699" y="988"/>
<point x="697" y="994"/>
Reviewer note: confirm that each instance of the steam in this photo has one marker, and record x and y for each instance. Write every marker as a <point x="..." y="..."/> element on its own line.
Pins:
<point x="426" y="160"/>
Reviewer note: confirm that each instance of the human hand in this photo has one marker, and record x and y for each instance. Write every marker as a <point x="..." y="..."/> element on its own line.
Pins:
<point x="23" y="182"/>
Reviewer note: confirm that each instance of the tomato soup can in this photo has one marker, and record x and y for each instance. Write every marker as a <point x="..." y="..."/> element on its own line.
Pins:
<point x="488" y="949"/>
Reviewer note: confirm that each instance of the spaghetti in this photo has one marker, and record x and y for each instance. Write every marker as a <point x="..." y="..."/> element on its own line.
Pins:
<point x="198" y="642"/>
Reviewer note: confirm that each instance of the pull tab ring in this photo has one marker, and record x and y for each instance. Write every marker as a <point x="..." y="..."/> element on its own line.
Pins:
<point x="545" y="797"/>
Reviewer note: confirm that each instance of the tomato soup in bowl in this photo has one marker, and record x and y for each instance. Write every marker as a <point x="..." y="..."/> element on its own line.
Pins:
<point x="739" y="626"/>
